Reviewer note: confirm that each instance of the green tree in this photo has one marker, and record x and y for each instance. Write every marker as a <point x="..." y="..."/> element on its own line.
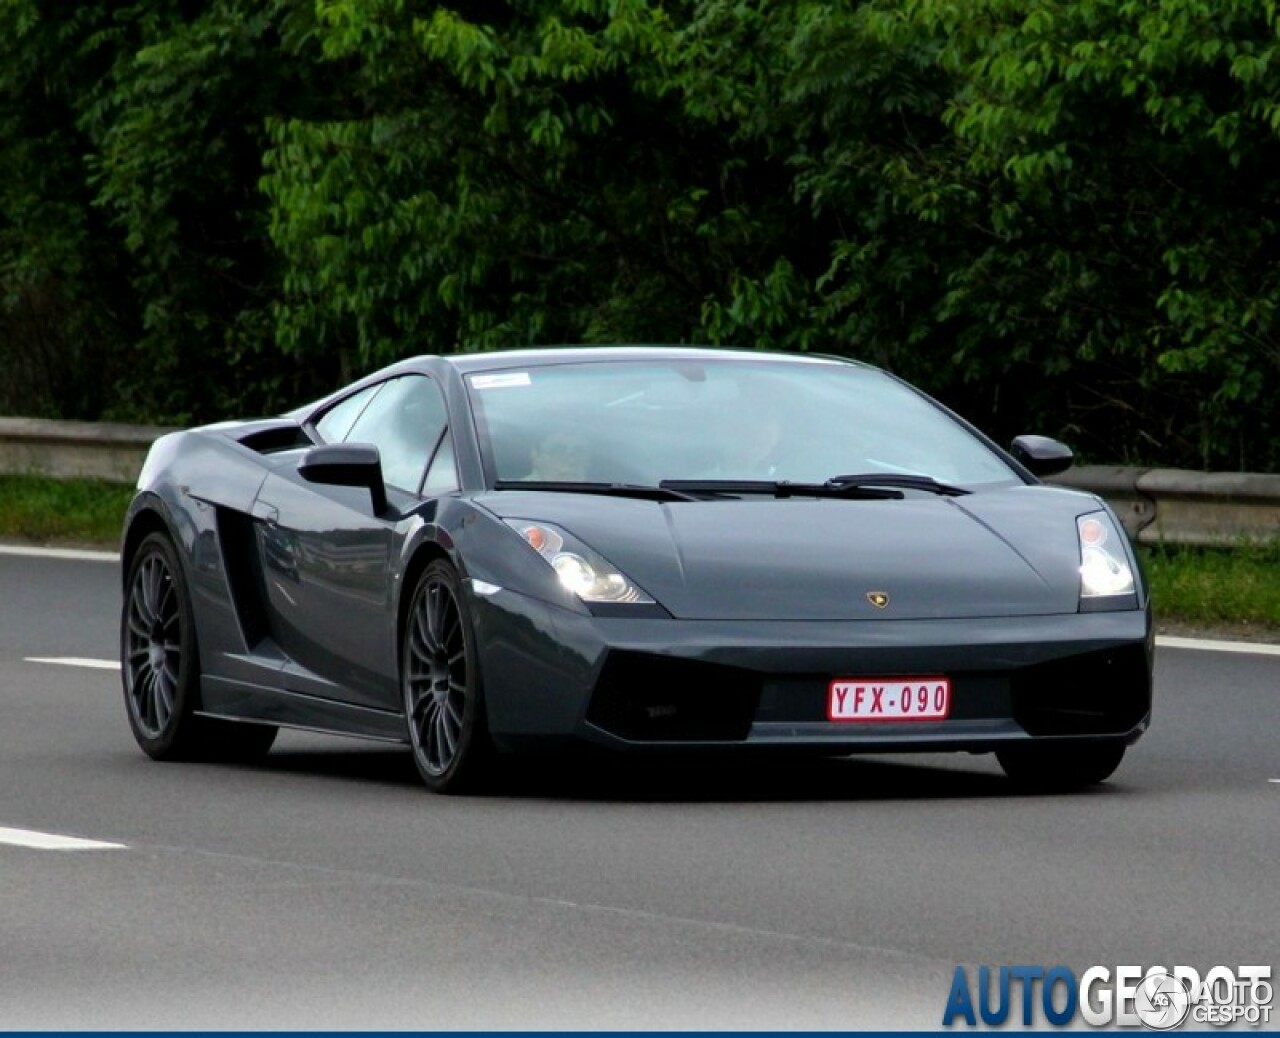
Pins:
<point x="179" y="129"/>
<point x="137" y="277"/>
<point x="1120" y="170"/>
<point x="1056" y="216"/>
<point x="60" y="291"/>
<point x="605" y="171"/>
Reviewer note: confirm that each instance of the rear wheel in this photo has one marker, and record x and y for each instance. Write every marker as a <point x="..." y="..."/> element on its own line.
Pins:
<point x="1060" y="767"/>
<point x="443" y="696"/>
<point x="160" y="667"/>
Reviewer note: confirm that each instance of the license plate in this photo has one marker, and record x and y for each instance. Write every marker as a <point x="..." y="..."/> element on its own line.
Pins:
<point x="875" y="699"/>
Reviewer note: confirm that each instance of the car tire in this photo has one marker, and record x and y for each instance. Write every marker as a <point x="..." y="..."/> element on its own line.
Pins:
<point x="160" y="667"/>
<point x="1061" y="767"/>
<point x="443" y="695"/>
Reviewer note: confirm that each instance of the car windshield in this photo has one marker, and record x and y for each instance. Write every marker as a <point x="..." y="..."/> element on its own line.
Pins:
<point x="645" y="421"/>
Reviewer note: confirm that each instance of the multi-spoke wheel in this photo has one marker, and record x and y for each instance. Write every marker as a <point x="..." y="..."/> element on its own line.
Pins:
<point x="443" y="701"/>
<point x="1061" y="768"/>
<point x="153" y="646"/>
<point x="160" y="667"/>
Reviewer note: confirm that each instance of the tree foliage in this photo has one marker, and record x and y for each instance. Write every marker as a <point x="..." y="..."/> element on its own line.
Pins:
<point x="56" y="287"/>
<point x="136" y="274"/>
<point x="1055" y="215"/>
<point x="1126" y="157"/>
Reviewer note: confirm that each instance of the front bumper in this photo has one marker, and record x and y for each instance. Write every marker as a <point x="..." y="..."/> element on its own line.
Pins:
<point x="647" y="684"/>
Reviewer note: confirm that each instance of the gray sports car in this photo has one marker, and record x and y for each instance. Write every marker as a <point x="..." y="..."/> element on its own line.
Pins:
<point x="648" y="549"/>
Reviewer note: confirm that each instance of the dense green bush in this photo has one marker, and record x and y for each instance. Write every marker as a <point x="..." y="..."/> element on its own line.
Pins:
<point x="1055" y="216"/>
<point x="137" y="279"/>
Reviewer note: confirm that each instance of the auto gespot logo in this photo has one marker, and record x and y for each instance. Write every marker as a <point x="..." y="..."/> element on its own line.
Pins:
<point x="1156" y="997"/>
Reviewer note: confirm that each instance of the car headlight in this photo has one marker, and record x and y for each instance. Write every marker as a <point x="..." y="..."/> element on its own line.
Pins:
<point x="1105" y="572"/>
<point x="582" y="571"/>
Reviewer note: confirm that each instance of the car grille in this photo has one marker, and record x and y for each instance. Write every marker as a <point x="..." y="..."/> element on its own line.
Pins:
<point x="645" y="697"/>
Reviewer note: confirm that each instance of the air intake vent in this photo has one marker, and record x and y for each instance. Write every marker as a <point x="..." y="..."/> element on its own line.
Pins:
<point x="1099" y="693"/>
<point x="244" y="574"/>
<point x="660" y="699"/>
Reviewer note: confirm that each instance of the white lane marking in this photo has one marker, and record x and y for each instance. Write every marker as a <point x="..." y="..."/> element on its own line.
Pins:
<point x="75" y="661"/>
<point x="79" y="554"/>
<point x="53" y="842"/>
<point x="1276" y="781"/>
<point x="1166" y="641"/>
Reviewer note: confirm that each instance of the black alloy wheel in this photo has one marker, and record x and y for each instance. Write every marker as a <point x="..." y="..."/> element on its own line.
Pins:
<point x="443" y="698"/>
<point x="160" y="667"/>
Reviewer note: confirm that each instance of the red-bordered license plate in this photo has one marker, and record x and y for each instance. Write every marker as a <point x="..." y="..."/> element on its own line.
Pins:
<point x="877" y="699"/>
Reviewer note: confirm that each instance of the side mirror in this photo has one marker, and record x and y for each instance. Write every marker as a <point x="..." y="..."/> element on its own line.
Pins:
<point x="1041" y="454"/>
<point x="347" y="465"/>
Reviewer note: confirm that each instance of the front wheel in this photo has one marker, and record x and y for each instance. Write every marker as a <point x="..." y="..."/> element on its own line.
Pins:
<point x="160" y="667"/>
<point x="1061" y="767"/>
<point x="443" y="696"/>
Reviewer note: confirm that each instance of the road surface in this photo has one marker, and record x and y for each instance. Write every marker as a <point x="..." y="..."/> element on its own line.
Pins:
<point x="325" y="888"/>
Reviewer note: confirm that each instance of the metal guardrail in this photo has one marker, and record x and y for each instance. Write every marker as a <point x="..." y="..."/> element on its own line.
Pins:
<point x="64" y="450"/>
<point x="1169" y="506"/>
<point x="1180" y="506"/>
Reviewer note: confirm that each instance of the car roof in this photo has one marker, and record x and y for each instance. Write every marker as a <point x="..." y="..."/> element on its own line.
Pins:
<point x="466" y="363"/>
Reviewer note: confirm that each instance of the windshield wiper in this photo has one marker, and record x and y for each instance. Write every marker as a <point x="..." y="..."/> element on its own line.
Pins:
<point x="868" y="486"/>
<point x="905" y="480"/>
<point x="779" y="488"/>
<point x="636" y="490"/>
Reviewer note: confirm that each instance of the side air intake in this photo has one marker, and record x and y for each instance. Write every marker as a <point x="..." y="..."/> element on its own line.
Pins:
<point x="244" y="574"/>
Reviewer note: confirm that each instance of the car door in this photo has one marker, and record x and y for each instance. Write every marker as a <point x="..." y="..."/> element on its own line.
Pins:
<point x="327" y="556"/>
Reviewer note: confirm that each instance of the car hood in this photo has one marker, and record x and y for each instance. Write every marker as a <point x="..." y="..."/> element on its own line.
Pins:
<point x="1005" y="552"/>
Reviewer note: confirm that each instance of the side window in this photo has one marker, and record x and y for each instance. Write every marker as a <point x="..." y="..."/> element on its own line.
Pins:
<point x="442" y="477"/>
<point x="337" y="421"/>
<point x="403" y="422"/>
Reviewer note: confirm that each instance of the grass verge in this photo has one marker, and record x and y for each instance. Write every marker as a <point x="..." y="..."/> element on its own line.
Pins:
<point x="1238" y="589"/>
<point x="1234" y="587"/>
<point x="79" y="511"/>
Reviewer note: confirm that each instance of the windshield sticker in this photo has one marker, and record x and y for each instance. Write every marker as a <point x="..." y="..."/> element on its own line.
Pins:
<point x="501" y="380"/>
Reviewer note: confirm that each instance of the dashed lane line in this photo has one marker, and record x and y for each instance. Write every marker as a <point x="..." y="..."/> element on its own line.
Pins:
<point x="75" y="661"/>
<point x="77" y="554"/>
<point x="53" y="841"/>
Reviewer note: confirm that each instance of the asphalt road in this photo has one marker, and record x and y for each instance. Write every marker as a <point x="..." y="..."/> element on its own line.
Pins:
<point x="326" y="888"/>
